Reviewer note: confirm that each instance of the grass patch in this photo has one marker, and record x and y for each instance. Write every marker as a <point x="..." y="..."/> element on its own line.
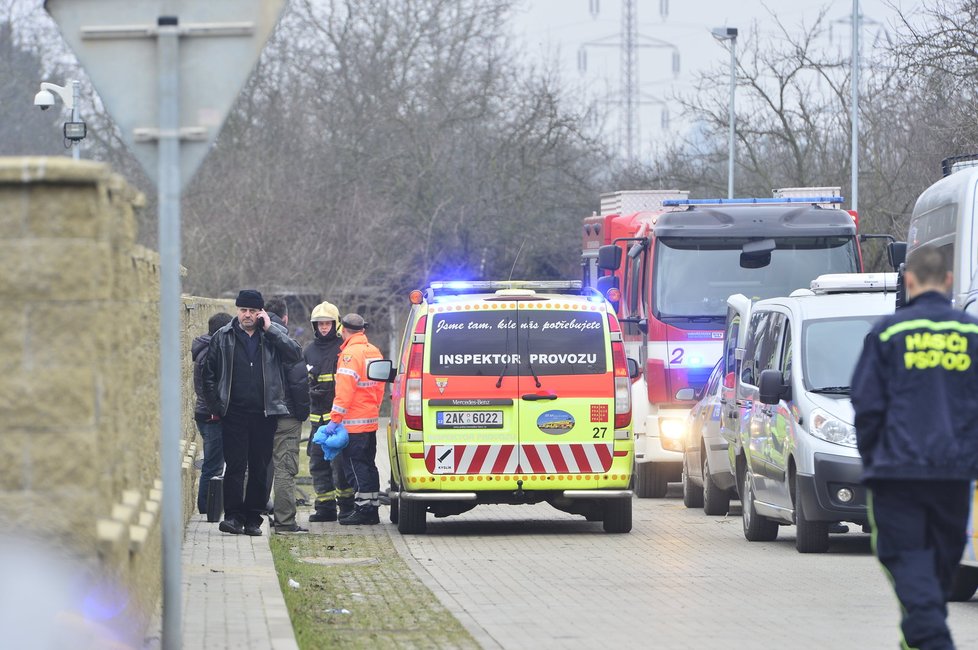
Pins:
<point x="389" y="607"/>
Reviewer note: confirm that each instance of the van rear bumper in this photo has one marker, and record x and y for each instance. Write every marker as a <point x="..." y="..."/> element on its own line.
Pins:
<point x="473" y="496"/>
<point x="819" y="493"/>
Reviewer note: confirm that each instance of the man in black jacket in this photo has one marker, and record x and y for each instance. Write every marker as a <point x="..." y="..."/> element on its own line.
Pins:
<point x="243" y="382"/>
<point x="208" y="424"/>
<point x="285" y="448"/>
<point x="321" y="356"/>
<point x="915" y="395"/>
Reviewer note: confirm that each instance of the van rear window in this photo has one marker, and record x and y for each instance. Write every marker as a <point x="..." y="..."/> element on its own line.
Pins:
<point x="508" y="341"/>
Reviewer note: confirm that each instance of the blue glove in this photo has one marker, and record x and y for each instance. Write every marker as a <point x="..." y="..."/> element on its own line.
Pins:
<point x="331" y="427"/>
<point x="320" y="436"/>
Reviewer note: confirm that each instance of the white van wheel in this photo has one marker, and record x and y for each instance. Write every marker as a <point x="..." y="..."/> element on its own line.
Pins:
<point x="412" y="517"/>
<point x="964" y="584"/>
<point x="756" y="527"/>
<point x="810" y="536"/>
<point x="618" y="515"/>
<point x="715" y="501"/>
<point x="692" y="494"/>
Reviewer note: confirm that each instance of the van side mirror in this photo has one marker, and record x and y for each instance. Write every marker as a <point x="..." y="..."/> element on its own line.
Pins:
<point x="381" y="370"/>
<point x="896" y="253"/>
<point x="634" y="370"/>
<point x="686" y="395"/>
<point x="772" y="387"/>
<point x="609" y="257"/>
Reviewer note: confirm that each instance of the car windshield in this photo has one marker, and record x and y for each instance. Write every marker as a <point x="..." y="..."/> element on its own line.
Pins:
<point x="830" y="349"/>
<point x="504" y="341"/>
<point x="694" y="276"/>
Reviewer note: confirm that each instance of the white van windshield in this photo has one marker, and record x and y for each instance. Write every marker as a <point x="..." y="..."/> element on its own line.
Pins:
<point x="830" y="349"/>
<point x="504" y="341"/>
<point x="694" y="276"/>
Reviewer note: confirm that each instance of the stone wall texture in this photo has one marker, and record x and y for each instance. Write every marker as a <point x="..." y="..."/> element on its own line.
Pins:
<point x="79" y="373"/>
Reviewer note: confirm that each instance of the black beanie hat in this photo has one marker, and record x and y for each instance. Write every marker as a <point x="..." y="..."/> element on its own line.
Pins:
<point x="249" y="298"/>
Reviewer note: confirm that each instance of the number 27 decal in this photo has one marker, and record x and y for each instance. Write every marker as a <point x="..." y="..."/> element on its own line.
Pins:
<point x="677" y="356"/>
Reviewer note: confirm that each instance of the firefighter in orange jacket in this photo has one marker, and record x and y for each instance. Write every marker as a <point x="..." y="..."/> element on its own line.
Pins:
<point x="357" y="406"/>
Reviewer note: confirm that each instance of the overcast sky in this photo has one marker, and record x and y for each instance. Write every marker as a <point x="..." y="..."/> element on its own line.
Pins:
<point x="557" y="30"/>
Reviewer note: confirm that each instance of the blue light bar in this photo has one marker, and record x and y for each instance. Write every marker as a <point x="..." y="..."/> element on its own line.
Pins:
<point x="749" y="201"/>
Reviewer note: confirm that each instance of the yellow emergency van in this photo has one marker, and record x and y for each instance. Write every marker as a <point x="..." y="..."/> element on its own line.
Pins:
<point x="511" y="392"/>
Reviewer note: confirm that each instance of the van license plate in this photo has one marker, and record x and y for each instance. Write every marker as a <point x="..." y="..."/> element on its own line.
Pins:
<point x="469" y="419"/>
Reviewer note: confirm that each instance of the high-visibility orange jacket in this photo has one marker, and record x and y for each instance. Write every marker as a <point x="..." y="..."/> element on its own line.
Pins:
<point x="357" y="401"/>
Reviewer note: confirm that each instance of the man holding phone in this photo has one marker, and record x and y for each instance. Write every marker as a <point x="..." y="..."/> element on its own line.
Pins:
<point x="243" y="383"/>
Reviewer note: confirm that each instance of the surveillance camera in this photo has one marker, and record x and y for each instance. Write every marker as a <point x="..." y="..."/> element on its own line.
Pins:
<point x="44" y="100"/>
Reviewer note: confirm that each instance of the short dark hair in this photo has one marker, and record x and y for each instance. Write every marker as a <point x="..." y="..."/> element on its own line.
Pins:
<point x="277" y="306"/>
<point x="217" y="321"/>
<point x="928" y="264"/>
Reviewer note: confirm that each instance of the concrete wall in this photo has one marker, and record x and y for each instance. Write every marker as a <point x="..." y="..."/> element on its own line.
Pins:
<point x="79" y="385"/>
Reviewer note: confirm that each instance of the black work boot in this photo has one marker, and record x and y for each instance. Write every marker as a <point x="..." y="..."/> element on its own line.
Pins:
<point x="325" y="511"/>
<point x="346" y="507"/>
<point x="362" y="516"/>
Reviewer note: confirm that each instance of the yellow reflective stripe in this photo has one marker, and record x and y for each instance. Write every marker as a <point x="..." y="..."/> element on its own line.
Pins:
<point x="924" y="323"/>
<point x="318" y="418"/>
<point x="324" y="378"/>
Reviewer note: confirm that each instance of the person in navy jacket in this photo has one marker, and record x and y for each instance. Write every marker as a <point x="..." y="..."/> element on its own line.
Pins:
<point x="915" y="395"/>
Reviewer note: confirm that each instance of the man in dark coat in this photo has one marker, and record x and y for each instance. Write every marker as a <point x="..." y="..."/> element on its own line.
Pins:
<point x="915" y="395"/>
<point x="243" y="383"/>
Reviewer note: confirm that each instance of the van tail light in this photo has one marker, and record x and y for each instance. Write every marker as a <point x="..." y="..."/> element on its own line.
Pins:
<point x="623" y="386"/>
<point x="412" y="387"/>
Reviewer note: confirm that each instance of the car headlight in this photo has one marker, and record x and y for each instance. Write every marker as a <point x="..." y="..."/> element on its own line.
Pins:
<point x="832" y="429"/>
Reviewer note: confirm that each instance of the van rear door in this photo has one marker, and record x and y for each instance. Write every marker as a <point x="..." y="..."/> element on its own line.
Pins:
<point x="470" y="391"/>
<point x="566" y="392"/>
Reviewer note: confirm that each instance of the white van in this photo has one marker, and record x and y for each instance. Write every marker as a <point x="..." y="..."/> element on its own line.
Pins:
<point x="945" y="216"/>
<point x="795" y="453"/>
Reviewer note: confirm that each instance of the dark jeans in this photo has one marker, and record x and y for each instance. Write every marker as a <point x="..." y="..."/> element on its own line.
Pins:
<point x="358" y="460"/>
<point x="328" y="478"/>
<point x="247" y="447"/>
<point x="919" y="532"/>
<point x="210" y="432"/>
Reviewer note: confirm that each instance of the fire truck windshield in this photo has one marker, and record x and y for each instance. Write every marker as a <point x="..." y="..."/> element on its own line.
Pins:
<point x="693" y="276"/>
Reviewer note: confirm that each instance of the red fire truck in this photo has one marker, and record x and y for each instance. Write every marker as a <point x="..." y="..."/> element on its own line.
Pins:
<point x="668" y="264"/>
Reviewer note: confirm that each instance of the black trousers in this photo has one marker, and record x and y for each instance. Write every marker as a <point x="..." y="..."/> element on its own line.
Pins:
<point x="248" y="441"/>
<point x="919" y="530"/>
<point x="328" y="478"/>
<point x="359" y="463"/>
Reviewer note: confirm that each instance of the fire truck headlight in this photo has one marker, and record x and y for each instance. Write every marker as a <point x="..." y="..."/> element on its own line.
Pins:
<point x="672" y="428"/>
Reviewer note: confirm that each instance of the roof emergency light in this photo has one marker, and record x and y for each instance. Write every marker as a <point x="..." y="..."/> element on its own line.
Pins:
<point x="491" y="286"/>
<point x="754" y="201"/>
<point x="854" y="283"/>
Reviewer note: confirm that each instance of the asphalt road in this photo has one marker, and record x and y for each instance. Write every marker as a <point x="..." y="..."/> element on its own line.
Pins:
<point x="532" y="576"/>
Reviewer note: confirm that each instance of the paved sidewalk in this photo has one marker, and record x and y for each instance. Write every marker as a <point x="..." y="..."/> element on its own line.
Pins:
<point x="231" y="594"/>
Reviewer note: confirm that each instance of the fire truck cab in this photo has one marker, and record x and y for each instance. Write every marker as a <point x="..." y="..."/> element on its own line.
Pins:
<point x="668" y="270"/>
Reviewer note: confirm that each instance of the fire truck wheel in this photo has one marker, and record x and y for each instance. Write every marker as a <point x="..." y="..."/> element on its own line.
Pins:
<point x="618" y="515"/>
<point x="411" y="517"/>
<point x="652" y="480"/>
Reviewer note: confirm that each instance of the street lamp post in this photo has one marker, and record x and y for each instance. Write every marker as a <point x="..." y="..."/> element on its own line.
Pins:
<point x="730" y="34"/>
<point x="75" y="130"/>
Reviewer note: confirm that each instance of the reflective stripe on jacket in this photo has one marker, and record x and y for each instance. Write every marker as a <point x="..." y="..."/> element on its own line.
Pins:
<point x="357" y="402"/>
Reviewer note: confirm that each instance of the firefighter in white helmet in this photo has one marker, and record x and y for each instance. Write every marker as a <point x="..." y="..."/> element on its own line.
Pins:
<point x="331" y="486"/>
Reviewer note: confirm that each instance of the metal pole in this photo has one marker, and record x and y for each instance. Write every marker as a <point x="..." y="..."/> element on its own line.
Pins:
<point x="75" y="146"/>
<point x="733" y="117"/>
<point x="854" y="138"/>
<point x="168" y="46"/>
